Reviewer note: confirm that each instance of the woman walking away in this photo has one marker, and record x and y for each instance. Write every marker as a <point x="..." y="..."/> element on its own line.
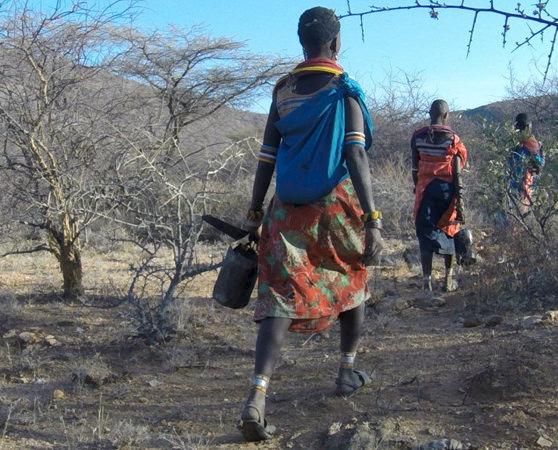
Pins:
<point x="438" y="156"/>
<point x="525" y="163"/>
<point x="321" y="228"/>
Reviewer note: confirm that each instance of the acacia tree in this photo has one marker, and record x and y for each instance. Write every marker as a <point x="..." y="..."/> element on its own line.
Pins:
<point x="174" y="159"/>
<point x="54" y="111"/>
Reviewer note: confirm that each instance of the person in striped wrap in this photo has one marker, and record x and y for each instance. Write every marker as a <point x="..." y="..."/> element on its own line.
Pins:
<point x="438" y="156"/>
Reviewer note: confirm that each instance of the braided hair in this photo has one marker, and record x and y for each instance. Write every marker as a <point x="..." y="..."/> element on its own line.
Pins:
<point x="317" y="26"/>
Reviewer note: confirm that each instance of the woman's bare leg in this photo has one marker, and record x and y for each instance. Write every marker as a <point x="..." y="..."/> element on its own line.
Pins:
<point x="349" y="380"/>
<point x="271" y="336"/>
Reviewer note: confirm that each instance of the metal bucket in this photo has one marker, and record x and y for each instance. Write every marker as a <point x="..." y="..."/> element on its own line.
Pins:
<point x="237" y="277"/>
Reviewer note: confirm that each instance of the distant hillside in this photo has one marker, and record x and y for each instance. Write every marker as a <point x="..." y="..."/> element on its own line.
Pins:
<point x="227" y="125"/>
<point x="543" y="111"/>
<point x="230" y="124"/>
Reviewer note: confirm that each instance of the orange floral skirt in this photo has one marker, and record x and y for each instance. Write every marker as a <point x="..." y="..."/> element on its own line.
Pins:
<point x="310" y="267"/>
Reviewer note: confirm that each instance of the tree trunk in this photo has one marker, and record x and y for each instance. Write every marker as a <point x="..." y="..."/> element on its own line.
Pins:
<point x="163" y="323"/>
<point x="72" y="273"/>
<point x="64" y="244"/>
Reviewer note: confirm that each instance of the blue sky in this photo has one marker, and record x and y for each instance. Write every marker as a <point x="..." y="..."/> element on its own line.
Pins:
<point x="409" y="40"/>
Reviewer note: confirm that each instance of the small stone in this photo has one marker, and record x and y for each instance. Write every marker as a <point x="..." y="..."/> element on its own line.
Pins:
<point x="143" y="400"/>
<point x="471" y="322"/>
<point x="455" y="445"/>
<point x="492" y="321"/>
<point x="427" y="299"/>
<point x="9" y="334"/>
<point x="58" y="394"/>
<point x="334" y="428"/>
<point x="544" y="442"/>
<point x="153" y="383"/>
<point x="51" y="340"/>
<point x="401" y="305"/>
<point x="550" y="317"/>
<point x="27" y="337"/>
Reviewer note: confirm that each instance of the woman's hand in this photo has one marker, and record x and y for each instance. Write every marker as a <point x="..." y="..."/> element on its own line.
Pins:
<point x="373" y="246"/>
<point x="256" y="235"/>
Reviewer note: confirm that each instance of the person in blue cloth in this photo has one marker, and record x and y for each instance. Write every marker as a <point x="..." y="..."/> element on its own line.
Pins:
<point x="321" y="228"/>
<point x="525" y="165"/>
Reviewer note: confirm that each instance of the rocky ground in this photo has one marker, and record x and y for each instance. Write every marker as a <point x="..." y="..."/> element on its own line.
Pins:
<point x="457" y="374"/>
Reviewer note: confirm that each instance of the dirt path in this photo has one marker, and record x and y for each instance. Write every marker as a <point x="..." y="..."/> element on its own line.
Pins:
<point x="491" y="385"/>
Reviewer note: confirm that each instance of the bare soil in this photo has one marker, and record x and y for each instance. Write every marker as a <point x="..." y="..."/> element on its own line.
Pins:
<point x="82" y="380"/>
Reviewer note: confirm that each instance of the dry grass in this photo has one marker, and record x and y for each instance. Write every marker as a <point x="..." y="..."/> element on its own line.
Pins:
<point x="187" y="441"/>
<point x="92" y="372"/>
<point x="392" y="186"/>
<point x="517" y="274"/>
<point x="127" y="435"/>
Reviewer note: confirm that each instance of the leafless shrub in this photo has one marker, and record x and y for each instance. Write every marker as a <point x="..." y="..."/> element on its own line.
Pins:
<point x="539" y="99"/>
<point x="127" y="435"/>
<point x="11" y="407"/>
<point x="520" y="276"/>
<point x="27" y="364"/>
<point x="187" y="441"/>
<point x="179" y="357"/>
<point x="393" y="186"/>
<point x="399" y="104"/>
<point x="75" y="434"/>
<point x="168" y="176"/>
<point x="91" y="371"/>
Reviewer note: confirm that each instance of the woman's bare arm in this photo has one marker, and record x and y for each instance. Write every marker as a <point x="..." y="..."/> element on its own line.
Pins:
<point x="357" y="163"/>
<point x="266" y="164"/>
<point x="355" y="155"/>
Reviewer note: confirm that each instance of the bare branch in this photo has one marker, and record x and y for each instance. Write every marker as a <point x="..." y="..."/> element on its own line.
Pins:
<point x="38" y="248"/>
<point x="540" y="16"/>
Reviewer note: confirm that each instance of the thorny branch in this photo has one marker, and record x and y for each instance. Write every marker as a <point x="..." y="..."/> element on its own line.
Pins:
<point x="540" y="16"/>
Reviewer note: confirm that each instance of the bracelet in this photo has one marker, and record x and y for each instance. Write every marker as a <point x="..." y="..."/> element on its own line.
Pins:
<point x="373" y="224"/>
<point x="255" y="215"/>
<point x="372" y="215"/>
<point x="253" y="220"/>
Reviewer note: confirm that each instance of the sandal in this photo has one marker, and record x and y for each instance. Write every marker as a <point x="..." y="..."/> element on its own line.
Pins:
<point x="347" y="386"/>
<point x="254" y="428"/>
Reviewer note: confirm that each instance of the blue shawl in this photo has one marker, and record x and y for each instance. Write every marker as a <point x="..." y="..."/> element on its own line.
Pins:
<point x="310" y="160"/>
